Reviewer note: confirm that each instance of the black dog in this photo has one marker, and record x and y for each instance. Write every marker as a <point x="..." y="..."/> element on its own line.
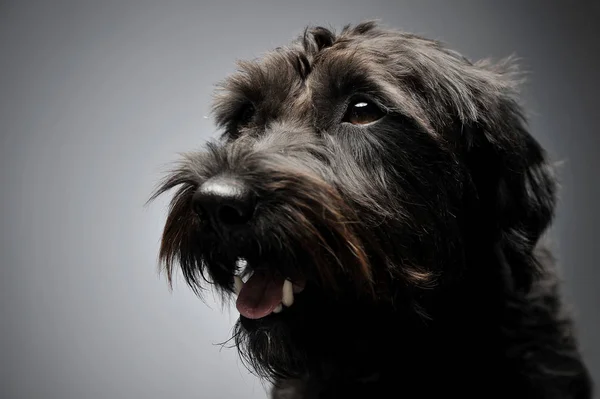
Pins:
<point x="376" y="202"/>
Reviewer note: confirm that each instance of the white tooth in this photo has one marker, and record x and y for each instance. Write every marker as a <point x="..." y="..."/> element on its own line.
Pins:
<point x="288" y="293"/>
<point x="238" y="283"/>
<point x="278" y="309"/>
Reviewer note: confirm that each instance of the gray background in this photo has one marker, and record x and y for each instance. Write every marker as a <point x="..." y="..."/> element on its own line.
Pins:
<point x="96" y="98"/>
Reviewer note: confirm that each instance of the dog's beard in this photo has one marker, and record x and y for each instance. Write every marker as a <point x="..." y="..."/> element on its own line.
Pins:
<point x="304" y="231"/>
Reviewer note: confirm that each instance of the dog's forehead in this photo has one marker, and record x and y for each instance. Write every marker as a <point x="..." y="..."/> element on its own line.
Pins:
<point x="311" y="74"/>
<point x="285" y="81"/>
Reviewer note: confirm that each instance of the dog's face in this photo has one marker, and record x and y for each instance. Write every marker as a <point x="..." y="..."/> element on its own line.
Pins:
<point x="356" y="174"/>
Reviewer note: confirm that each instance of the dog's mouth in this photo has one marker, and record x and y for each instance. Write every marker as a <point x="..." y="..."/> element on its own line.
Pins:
<point x="265" y="293"/>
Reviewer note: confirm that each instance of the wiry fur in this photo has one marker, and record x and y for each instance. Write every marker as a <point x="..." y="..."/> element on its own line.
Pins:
<point x="419" y="235"/>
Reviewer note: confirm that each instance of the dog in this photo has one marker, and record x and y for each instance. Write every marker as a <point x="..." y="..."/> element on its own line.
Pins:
<point x="377" y="205"/>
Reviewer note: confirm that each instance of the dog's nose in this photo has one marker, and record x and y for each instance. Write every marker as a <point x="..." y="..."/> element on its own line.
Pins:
<point x="227" y="202"/>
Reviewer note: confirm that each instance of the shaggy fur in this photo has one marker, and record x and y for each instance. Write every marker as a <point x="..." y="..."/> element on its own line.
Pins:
<point x="418" y="234"/>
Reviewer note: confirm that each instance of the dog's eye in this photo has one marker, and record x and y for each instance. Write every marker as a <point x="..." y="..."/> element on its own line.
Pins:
<point x="245" y="115"/>
<point x="362" y="112"/>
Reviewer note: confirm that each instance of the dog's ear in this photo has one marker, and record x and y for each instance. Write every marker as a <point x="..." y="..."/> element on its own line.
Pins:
<point x="514" y="183"/>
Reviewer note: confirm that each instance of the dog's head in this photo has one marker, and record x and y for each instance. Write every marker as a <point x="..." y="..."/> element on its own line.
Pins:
<point x="357" y="175"/>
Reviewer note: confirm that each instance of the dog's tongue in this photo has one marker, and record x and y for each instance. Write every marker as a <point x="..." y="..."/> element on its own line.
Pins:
<point x="261" y="294"/>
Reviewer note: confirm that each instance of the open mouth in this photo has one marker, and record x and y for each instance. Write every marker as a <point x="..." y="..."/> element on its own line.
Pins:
<point x="265" y="293"/>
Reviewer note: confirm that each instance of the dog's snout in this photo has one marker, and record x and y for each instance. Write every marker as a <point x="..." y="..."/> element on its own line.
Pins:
<point x="225" y="201"/>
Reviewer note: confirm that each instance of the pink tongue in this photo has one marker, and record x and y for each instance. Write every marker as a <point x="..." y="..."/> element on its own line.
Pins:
<point x="260" y="295"/>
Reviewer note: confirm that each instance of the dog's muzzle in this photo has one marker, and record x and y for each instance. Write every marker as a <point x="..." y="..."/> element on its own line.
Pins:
<point x="228" y="205"/>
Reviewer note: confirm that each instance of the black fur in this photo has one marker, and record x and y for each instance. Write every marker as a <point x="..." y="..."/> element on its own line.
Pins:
<point x="418" y="235"/>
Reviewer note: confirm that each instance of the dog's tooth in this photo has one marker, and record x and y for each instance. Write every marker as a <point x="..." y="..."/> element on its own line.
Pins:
<point x="238" y="283"/>
<point x="278" y="309"/>
<point x="288" y="293"/>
